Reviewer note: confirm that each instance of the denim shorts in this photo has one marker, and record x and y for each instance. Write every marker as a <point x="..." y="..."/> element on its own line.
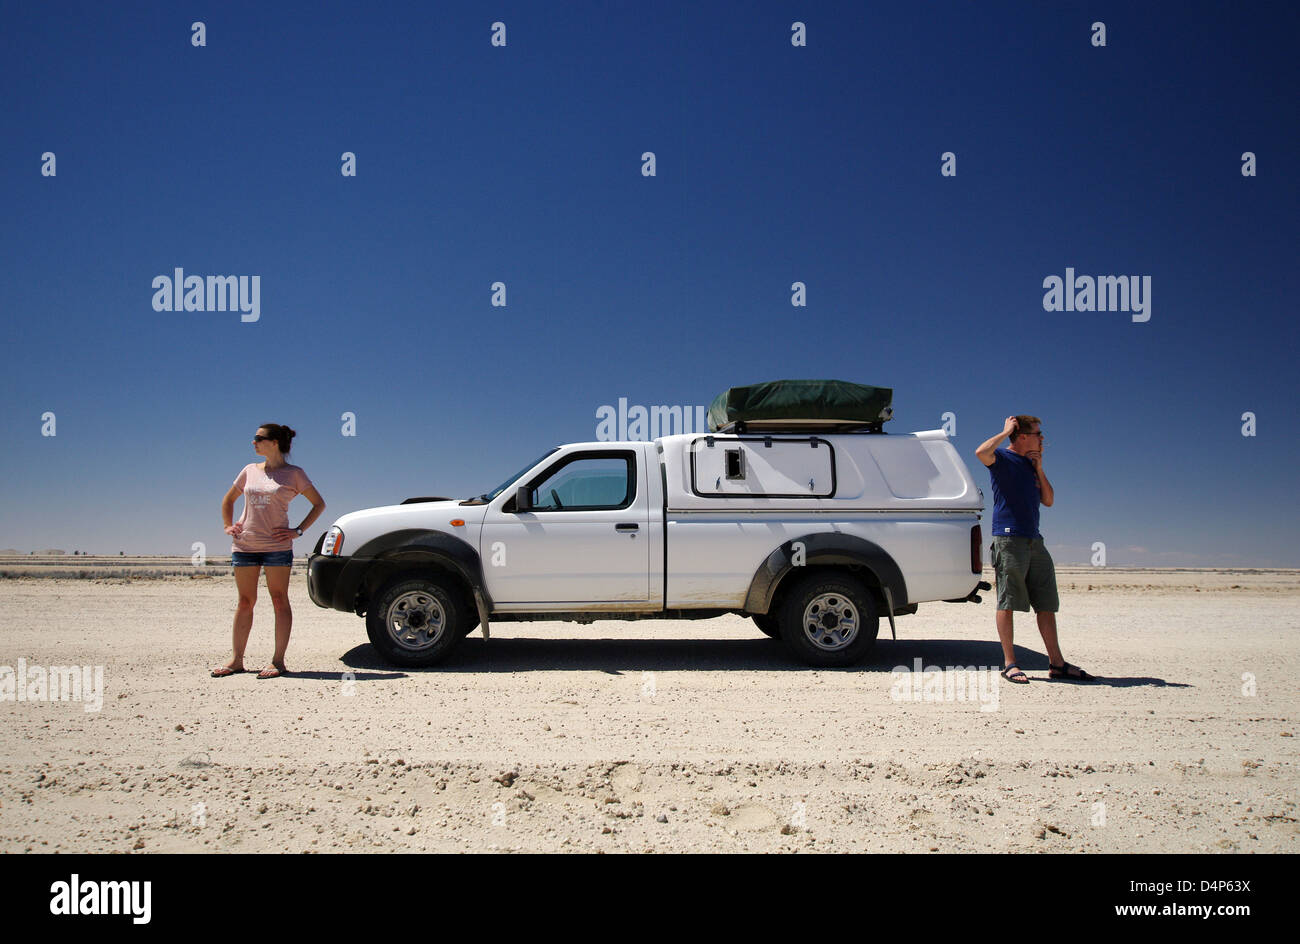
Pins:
<point x="261" y="558"/>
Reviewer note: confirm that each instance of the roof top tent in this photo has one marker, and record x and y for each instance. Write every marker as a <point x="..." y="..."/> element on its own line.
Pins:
<point x="828" y="406"/>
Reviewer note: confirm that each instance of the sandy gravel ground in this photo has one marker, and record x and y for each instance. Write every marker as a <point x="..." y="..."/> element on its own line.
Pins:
<point x="658" y="736"/>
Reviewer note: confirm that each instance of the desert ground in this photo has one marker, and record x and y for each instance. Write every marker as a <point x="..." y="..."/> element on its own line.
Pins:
<point x="651" y="736"/>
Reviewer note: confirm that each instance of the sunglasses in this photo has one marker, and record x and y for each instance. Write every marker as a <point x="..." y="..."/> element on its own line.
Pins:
<point x="263" y="438"/>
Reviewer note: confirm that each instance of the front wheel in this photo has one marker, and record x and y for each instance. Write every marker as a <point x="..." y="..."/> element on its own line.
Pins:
<point x="829" y="620"/>
<point x="768" y="624"/>
<point x="416" y="622"/>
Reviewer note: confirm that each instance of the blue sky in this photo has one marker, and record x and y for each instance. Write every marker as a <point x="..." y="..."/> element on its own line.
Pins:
<point x="522" y="164"/>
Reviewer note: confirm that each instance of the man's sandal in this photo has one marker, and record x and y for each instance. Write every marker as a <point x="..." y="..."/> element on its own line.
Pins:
<point x="222" y="671"/>
<point x="1070" y="673"/>
<point x="1012" y="673"/>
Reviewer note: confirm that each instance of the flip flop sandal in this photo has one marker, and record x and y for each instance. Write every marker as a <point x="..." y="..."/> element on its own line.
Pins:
<point x="223" y="671"/>
<point x="1070" y="673"/>
<point x="271" y="672"/>
<point x="1017" y="676"/>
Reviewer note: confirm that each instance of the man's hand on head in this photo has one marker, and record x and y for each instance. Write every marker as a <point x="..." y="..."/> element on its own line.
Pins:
<point x="1009" y="426"/>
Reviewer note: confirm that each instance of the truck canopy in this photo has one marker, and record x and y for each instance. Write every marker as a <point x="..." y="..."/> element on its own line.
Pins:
<point x="817" y="473"/>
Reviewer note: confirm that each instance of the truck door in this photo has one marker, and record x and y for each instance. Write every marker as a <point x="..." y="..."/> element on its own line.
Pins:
<point x="584" y="541"/>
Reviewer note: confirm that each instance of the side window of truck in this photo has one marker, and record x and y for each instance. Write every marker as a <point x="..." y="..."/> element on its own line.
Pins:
<point x="735" y="464"/>
<point x="762" y="467"/>
<point x="587" y="482"/>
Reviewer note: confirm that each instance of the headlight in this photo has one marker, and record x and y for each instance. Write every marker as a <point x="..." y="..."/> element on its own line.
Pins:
<point x="333" y="545"/>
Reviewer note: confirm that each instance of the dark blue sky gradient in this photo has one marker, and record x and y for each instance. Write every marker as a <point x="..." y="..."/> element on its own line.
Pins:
<point x="522" y="164"/>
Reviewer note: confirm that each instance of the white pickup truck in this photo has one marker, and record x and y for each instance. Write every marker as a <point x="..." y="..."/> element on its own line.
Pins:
<point x="813" y="536"/>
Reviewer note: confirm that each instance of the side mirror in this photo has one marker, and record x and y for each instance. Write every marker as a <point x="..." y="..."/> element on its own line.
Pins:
<point x="523" y="498"/>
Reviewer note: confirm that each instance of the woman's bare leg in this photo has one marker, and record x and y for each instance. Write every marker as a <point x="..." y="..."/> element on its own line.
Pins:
<point x="246" y="584"/>
<point x="277" y="584"/>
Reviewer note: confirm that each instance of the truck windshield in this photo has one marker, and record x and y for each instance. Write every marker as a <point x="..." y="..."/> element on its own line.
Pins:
<point x="488" y="496"/>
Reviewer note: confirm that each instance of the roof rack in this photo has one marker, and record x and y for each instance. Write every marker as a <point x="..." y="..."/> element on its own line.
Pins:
<point x="739" y="427"/>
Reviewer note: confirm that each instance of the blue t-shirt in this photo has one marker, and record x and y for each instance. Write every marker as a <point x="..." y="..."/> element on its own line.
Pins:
<point x="1015" y="495"/>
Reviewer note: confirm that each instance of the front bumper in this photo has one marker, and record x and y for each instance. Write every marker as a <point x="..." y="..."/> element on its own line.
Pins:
<point x="324" y="582"/>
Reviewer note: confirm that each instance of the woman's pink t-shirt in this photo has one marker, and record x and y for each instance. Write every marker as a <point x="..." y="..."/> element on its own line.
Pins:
<point x="266" y="505"/>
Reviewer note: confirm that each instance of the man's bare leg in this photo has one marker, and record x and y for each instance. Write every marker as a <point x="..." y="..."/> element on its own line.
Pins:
<point x="1047" y="627"/>
<point x="1004" y="620"/>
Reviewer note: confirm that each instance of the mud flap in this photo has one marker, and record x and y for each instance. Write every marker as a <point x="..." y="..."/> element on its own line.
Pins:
<point x="481" y="605"/>
<point x="889" y="608"/>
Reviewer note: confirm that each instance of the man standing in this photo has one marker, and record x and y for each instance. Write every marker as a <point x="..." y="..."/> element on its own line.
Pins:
<point x="1025" y="574"/>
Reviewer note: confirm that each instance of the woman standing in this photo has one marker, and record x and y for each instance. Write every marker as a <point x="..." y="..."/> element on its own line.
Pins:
<point x="263" y="538"/>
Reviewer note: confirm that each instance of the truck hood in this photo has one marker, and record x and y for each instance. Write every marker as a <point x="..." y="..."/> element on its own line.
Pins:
<point x="358" y="527"/>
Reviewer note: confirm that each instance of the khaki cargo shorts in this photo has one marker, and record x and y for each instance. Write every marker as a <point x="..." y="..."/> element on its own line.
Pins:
<point x="1026" y="575"/>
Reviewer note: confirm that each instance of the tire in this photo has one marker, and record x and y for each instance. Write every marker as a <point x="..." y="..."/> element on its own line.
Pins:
<point x="416" y="622"/>
<point x="769" y="625"/>
<point x="816" y="613"/>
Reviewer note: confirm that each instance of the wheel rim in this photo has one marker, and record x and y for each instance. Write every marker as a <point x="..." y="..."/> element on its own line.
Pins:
<point x="830" y="621"/>
<point x="416" y="620"/>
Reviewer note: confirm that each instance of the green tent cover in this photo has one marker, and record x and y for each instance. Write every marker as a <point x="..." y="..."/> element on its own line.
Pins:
<point x="824" y="400"/>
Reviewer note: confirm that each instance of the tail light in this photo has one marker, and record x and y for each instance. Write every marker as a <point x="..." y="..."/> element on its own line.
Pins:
<point x="333" y="545"/>
<point x="976" y="550"/>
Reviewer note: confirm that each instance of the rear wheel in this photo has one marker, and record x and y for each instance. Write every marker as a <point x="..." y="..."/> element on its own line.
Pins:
<point x="829" y="620"/>
<point x="416" y="622"/>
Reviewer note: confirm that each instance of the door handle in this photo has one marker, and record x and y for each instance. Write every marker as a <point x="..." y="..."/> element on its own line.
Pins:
<point x="626" y="527"/>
